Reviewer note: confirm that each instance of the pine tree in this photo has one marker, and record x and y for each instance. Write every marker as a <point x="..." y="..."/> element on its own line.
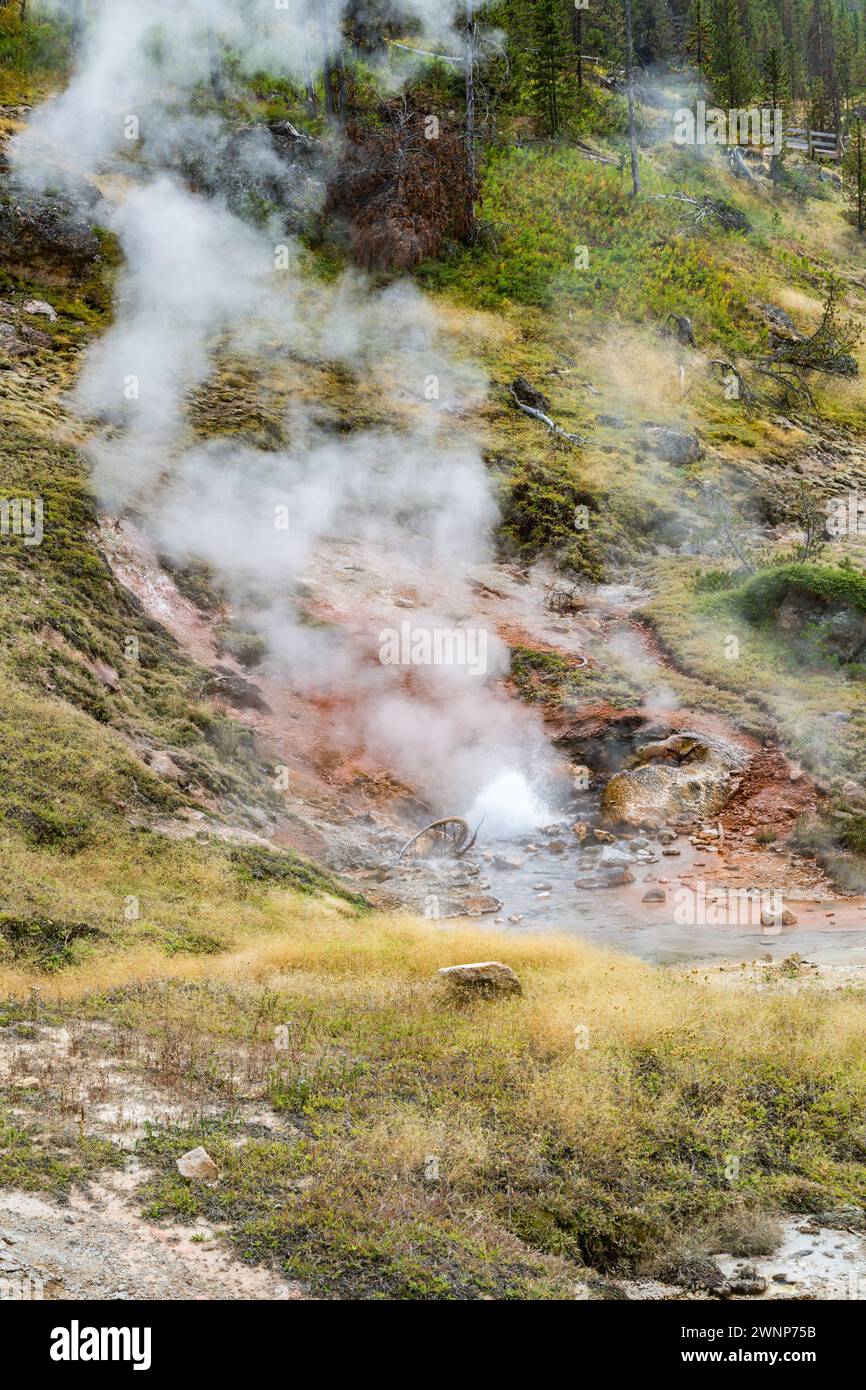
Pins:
<point x="698" y="36"/>
<point x="730" y="68"/>
<point x="854" y="175"/>
<point x="547" y="61"/>
<point x="821" y="60"/>
<point x="819" y="109"/>
<point x="775" y="83"/>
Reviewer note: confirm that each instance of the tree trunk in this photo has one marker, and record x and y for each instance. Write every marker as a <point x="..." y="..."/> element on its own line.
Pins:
<point x="340" y="74"/>
<point x="328" y="79"/>
<point x="216" y="80"/>
<point x="632" y="127"/>
<point x="309" y="84"/>
<point x="471" y="175"/>
<point x="577" y="37"/>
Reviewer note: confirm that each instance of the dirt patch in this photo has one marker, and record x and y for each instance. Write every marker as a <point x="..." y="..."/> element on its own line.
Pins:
<point x="98" y="1247"/>
<point x="770" y="795"/>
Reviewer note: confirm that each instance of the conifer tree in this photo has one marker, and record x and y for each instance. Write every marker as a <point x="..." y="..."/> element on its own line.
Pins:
<point x="730" y="67"/>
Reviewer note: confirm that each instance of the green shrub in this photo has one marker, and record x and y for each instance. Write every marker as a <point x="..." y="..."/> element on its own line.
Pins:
<point x="830" y="585"/>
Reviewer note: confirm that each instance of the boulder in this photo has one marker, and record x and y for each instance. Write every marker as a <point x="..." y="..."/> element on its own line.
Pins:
<point x="674" y="446"/>
<point x="746" y="1282"/>
<point x="228" y="685"/>
<point x="198" y="1166"/>
<point x="39" y="306"/>
<point x="852" y="791"/>
<point x="45" y="238"/>
<point x="785" y="918"/>
<point x="504" y="861"/>
<point x="529" y="395"/>
<point x="685" y="775"/>
<point x="781" y="324"/>
<point x="481" y="977"/>
<point x="20" y="340"/>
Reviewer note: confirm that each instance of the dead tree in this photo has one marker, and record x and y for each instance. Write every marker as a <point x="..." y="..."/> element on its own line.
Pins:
<point x="827" y="351"/>
<point x="471" y="41"/>
<point x="632" y="125"/>
<point x="215" y="64"/>
<point x="744" y="390"/>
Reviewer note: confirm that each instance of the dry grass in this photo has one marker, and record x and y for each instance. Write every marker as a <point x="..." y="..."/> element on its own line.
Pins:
<point x="551" y="1156"/>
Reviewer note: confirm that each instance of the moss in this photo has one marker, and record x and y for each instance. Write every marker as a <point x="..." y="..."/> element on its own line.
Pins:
<point x="544" y="508"/>
<point x="197" y="582"/>
<point x="43" y="942"/>
<point x="66" y="622"/>
<point x="249" y="648"/>
<point x="830" y="585"/>
<point x="256" y="865"/>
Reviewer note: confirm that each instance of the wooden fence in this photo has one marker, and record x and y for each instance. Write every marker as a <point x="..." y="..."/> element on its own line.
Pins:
<point x="815" y="144"/>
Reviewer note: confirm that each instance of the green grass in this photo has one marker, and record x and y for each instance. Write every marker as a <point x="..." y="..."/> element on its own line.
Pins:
<point x="29" y="1165"/>
<point x="540" y="502"/>
<point x="817" y="710"/>
<point x="34" y="55"/>
<point x="64" y="622"/>
<point x="554" y="679"/>
<point x="550" y="1158"/>
<point x="544" y="203"/>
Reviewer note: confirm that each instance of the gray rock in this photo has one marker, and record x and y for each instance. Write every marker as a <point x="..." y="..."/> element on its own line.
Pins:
<point x="503" y="861"/>
<point x="39" y="306"/>
<point x="674" y="446"/>
<point x="45" y="237"/>
<point x="482" y="977"/>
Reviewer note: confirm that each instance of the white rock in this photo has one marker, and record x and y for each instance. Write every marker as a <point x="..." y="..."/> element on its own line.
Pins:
<point x="199" y="1165"/>
<point x="38" y="306"/>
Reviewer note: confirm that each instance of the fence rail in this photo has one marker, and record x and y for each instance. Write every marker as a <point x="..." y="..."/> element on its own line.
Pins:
<point x="814" y="143"/>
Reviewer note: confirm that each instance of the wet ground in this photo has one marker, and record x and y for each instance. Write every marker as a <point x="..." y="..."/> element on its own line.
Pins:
<point x="711" y="909"/>
<point x="709" y="885"/>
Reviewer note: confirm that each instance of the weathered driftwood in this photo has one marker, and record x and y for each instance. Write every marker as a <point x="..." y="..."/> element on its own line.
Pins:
<point x="746" y="394"/>
<point x="451" y="833"/>
<point x="552" y="427"/>
<point x="707" y="209"/>
<point x="739" y="167"/>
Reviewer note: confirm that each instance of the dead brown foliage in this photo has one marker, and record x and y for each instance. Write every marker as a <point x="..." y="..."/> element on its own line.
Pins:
<point x="400" y="192"/>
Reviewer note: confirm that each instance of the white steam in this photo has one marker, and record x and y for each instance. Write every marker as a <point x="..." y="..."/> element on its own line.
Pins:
<point x="199" y="284"/>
